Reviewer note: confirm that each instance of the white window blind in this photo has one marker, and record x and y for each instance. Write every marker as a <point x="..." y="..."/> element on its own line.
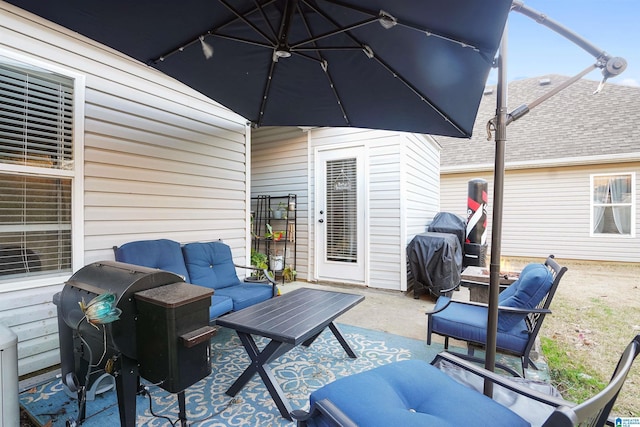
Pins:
<point x="36" y="123"/>
<point x="342" y="210"/>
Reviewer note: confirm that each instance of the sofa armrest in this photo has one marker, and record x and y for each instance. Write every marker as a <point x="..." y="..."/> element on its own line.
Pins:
<point x="263" y="270"/>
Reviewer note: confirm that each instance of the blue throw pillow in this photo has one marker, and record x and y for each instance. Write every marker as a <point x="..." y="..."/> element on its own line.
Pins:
<point x="527" y="292"/>
<point x="210" y="264"/>
<point x="163" y="254"/>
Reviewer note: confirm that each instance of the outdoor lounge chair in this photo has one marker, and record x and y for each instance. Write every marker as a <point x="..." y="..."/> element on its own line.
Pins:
<point x="416" y="393"/>
<point x="208" y="264"/>
<point x="522" y="307"/>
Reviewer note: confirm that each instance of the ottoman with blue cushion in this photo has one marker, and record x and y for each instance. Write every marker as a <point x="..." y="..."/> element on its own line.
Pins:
<point x="411" y="393"/>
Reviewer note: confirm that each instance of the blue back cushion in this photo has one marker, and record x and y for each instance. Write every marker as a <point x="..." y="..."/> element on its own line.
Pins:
<point x="210" y="264"/>
<point x="526" y="292"/>
<point x="163" y="254"/>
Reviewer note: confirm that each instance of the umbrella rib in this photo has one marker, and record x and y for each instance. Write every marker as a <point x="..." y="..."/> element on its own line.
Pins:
<point x="260" y="8"/>
<point x="210" y="32"/>
<point x="320" y="49"/>
<point x="241" y="40"/>
<point x="386" y="66"/>
<point x="246" y="21"/>
<point x="265" y="94"/>
<point x="422" y="97"/>
<point x="408" y="25"/>
<point x="324" y="66"/>
<point x="333" y="33"/>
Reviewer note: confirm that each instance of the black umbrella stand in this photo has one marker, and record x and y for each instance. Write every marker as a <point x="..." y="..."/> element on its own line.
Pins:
<point x="611" y="67"/>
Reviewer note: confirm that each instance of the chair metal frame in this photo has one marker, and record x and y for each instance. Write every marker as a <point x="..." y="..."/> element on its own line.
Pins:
<point x="593" y="412"/>
<point x="533" y="320"/>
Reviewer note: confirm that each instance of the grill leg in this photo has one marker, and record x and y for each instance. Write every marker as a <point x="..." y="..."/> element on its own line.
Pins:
<point x="127" y="382"/>
<point x="182" y="408"/>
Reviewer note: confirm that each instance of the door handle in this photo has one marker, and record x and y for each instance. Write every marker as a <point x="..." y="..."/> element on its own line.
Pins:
<point x="321" y="221"/>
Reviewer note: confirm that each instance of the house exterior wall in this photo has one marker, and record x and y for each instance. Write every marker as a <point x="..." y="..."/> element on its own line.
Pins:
<point x="547" y="211"/>
<point x="160" y="161"/>
<point x="421" y="170"/>
<point x="280" y="166"/>
<point x="402" y="174"/>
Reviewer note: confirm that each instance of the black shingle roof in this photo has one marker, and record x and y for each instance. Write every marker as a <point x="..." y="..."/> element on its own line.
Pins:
<point x="573" y="123"/>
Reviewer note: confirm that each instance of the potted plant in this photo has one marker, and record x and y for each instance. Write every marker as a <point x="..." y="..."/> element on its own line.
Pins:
<point x="273" y="235"/>
<point x="289" y="273"/>
<point x="276" y="262"/>
<point x="261" y="261"/>
<point x="280" y="212"/>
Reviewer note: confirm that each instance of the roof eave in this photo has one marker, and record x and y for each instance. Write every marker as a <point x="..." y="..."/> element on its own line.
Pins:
<point x="538" y="164"/>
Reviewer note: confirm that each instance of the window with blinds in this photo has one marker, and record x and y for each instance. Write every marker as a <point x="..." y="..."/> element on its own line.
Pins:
<point x="36" y="141"/>
<point x="341" y="211"/>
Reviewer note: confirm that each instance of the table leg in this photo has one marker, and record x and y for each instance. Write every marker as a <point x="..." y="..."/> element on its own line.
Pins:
<point x="310" y="341"/>
<point x="343" y="342"/>
<point x="259" y="364"/>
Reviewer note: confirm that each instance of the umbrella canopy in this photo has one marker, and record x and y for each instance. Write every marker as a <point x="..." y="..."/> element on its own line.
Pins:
<point x="408" y="65"/>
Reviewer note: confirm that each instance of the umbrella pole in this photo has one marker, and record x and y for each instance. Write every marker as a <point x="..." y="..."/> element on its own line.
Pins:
<point x="611" y="66"/>
<point x="496" y="228"/>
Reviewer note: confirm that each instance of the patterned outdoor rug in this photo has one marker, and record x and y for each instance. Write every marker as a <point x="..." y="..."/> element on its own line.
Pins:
<point x="299" y="372"/>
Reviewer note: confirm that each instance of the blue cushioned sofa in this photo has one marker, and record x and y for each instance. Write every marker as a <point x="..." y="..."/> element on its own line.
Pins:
<point x="208" y="264"/>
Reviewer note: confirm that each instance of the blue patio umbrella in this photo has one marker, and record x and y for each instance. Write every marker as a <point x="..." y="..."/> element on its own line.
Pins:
<point x="408" y="65"/>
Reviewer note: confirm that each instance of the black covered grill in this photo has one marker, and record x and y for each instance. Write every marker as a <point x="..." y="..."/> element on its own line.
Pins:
<point x="162" y="333"/>
<point x="435" y="257"/>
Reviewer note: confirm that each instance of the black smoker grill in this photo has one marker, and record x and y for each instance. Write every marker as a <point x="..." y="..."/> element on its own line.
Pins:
<point x="162" y="335"/>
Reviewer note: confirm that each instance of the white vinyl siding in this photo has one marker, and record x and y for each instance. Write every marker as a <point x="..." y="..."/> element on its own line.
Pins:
<point x="160" y="161"/>
<point x="279" y="166"/>
<point x="547" y="211"/>
<point x="385" y="223"/>
<point x="422" y="183"/>
<point x="401" y="175"/>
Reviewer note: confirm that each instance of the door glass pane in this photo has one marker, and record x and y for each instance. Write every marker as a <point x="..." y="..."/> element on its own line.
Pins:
<point x="342" y="209"/>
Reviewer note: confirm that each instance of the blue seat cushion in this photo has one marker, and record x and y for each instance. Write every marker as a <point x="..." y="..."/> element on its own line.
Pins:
<point x="533" y="284"/>
<point x="210" y="264"/>
<point x="219" y="306"/>
<point x="246" y="294"/>
<point x="469" y="323"/>
<point x="163" y="254"/>
<point x="413" y="393"/>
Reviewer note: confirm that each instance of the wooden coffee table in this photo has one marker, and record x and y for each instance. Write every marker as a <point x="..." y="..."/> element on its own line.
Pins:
<point x="295" y="318"/>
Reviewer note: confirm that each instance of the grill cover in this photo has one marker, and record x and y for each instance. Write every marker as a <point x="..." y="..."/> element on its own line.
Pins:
<point x="435" y="260"/>
<point x="446" y="222"/>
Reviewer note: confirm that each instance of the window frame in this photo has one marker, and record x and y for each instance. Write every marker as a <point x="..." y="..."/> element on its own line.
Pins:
<point x="75" y="174"/>
<point x="592" y="232"/>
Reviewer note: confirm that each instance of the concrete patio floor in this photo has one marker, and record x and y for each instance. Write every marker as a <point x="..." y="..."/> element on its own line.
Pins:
<point x="394" y="312"/>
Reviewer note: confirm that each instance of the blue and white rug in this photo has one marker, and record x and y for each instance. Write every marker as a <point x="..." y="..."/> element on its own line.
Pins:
<point x="299" y="372"/>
